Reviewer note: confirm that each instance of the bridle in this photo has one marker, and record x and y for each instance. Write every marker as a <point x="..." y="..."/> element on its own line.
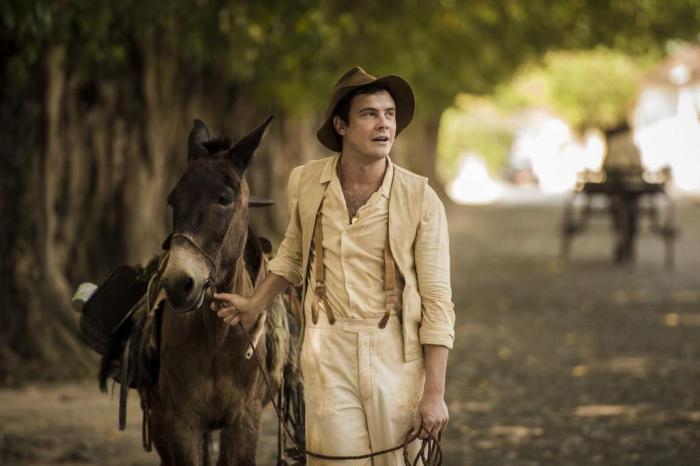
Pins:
<point x="210" y="283"/>
<point x="253" y="201"/>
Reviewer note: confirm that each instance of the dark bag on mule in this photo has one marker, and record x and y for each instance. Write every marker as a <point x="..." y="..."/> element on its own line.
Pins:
<point x="105" y="316"/>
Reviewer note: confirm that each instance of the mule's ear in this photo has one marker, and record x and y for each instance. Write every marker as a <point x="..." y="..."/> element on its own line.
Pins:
<point x="198" y="136"/>
<point x="241" y="153"/>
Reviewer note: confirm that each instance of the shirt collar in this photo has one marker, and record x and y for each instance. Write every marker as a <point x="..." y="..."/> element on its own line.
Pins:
<point x="329" y="172"/>
<point x="329" y="169"/>
<point x="385" y="188"/>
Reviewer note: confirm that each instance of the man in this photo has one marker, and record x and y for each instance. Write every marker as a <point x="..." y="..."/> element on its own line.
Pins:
<point x="368" y="241"/>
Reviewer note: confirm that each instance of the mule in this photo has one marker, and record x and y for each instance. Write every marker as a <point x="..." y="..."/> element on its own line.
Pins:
<point x="205" y="380"/>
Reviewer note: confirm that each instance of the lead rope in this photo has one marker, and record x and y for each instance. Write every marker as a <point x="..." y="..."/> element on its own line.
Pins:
<point x="430" y="452"/>
<point x="152" y="300"/>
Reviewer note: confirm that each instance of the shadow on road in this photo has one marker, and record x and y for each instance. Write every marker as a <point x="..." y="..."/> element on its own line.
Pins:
<point x="576" y="364"/>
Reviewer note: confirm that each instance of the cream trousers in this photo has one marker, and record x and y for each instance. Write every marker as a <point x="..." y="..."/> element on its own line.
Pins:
<point x="360" y="394"/>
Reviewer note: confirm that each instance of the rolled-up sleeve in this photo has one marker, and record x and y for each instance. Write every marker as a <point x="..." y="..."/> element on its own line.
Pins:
<point x="432" y="259"/>
<point x="287" y="263"/>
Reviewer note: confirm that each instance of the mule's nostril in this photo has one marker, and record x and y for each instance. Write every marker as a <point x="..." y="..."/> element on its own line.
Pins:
<point x="179" y="288"/>
<point x="187" y="284"/>
<point x="184" y="285"/>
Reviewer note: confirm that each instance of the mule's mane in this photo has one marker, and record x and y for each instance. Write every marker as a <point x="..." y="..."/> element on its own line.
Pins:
<point x="216" y="145"/>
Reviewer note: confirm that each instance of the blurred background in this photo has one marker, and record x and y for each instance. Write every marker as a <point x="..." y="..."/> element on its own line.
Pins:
<point x="577" y="333"/>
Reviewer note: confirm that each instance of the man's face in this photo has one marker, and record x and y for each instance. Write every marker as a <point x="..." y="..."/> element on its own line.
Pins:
<point x="371" y="127"/>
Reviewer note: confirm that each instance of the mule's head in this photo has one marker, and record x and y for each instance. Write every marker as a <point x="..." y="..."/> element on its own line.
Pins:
<point x="210" y="215"/>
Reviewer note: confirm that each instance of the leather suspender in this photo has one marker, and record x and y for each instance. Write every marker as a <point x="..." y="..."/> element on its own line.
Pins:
<point x="320" y="277"/>
<point x="391" y="293"/>
<point x="320" y="274"/>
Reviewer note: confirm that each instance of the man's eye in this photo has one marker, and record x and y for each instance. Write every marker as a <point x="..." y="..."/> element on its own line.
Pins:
<point x="225" y="199"/>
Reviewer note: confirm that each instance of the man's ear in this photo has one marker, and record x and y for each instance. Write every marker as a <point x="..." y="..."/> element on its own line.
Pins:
<point x="339" y="125"/>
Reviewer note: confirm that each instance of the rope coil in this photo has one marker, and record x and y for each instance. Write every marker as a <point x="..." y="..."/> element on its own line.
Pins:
<point x="430" y="452"/>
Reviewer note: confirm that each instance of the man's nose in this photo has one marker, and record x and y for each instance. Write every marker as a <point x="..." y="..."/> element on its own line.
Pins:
<point x="383" y="121"/>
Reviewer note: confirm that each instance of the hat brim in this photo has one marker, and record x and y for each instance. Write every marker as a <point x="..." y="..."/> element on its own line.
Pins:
<point x="400" y="91"/>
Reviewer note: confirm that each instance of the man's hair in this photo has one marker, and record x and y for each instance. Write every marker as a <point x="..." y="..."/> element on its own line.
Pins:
<point x="343" y="108"/>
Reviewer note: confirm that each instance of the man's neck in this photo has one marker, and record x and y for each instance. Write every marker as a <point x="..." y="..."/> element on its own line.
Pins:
<point x="355" y="172"/>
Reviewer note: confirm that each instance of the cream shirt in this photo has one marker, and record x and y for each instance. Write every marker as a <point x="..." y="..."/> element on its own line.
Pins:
<point x="353" y="251"/>
<point x="419" y="245"/>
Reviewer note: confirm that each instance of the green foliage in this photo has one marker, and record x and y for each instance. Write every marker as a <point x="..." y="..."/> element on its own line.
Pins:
<point x="594" y="88"/>
<point x="288" y="53"/>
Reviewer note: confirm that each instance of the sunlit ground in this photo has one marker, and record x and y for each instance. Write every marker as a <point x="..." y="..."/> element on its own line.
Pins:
<point x="571" y="364"/>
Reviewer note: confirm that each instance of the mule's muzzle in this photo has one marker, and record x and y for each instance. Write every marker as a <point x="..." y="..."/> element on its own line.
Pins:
<point x="183" y="292"/>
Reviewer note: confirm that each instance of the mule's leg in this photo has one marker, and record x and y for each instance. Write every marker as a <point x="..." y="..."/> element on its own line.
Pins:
<point x="177" y="443"/>
<point x="161" y="441"/>
<point x="238" y="443"/>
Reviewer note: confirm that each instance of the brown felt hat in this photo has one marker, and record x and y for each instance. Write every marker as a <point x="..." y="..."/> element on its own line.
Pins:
<point x="399" y="89"/>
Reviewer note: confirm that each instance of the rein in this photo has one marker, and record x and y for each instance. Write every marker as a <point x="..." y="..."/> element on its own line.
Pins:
<point x="214" y="261"/>
<point x="430" y="452"/>
<point x="210" y="279"/>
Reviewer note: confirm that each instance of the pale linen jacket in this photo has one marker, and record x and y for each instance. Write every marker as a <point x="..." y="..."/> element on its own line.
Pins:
<point x="418" y="240"/>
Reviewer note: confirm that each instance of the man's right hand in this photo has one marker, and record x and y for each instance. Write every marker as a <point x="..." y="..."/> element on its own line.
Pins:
<point x="233" y="308"/>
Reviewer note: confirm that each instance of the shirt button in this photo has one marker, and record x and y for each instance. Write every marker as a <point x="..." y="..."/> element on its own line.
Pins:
<point x="354" y="220"/>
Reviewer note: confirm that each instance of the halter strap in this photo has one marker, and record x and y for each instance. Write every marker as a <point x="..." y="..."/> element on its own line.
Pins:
<point x="214" y="261"/>
<point x="198" y="248"/>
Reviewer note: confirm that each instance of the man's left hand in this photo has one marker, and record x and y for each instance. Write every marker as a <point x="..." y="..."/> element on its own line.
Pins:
<point x="432" y="414"/>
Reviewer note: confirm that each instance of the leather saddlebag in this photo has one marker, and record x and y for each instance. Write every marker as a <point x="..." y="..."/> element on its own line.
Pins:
<point x="105" y="316"/>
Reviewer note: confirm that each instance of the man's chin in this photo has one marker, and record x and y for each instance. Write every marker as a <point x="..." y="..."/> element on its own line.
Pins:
<point x="373" y="153"/>
<point x="380" y="153"/>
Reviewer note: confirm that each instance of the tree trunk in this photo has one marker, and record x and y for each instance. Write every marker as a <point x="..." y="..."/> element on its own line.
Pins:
<point x="38" y="327"/>
<point x="87" y="166"/>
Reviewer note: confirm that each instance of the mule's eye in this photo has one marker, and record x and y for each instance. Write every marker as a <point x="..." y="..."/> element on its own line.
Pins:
<point x="225" y="199"/>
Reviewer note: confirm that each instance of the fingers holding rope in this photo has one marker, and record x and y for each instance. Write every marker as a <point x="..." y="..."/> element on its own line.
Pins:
<point x="429" y="452"/>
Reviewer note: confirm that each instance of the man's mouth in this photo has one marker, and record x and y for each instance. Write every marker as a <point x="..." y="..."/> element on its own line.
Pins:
<point x="381" y="139"/>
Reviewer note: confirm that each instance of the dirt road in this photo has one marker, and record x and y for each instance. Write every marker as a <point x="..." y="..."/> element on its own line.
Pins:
<point x="553" y="365"/>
